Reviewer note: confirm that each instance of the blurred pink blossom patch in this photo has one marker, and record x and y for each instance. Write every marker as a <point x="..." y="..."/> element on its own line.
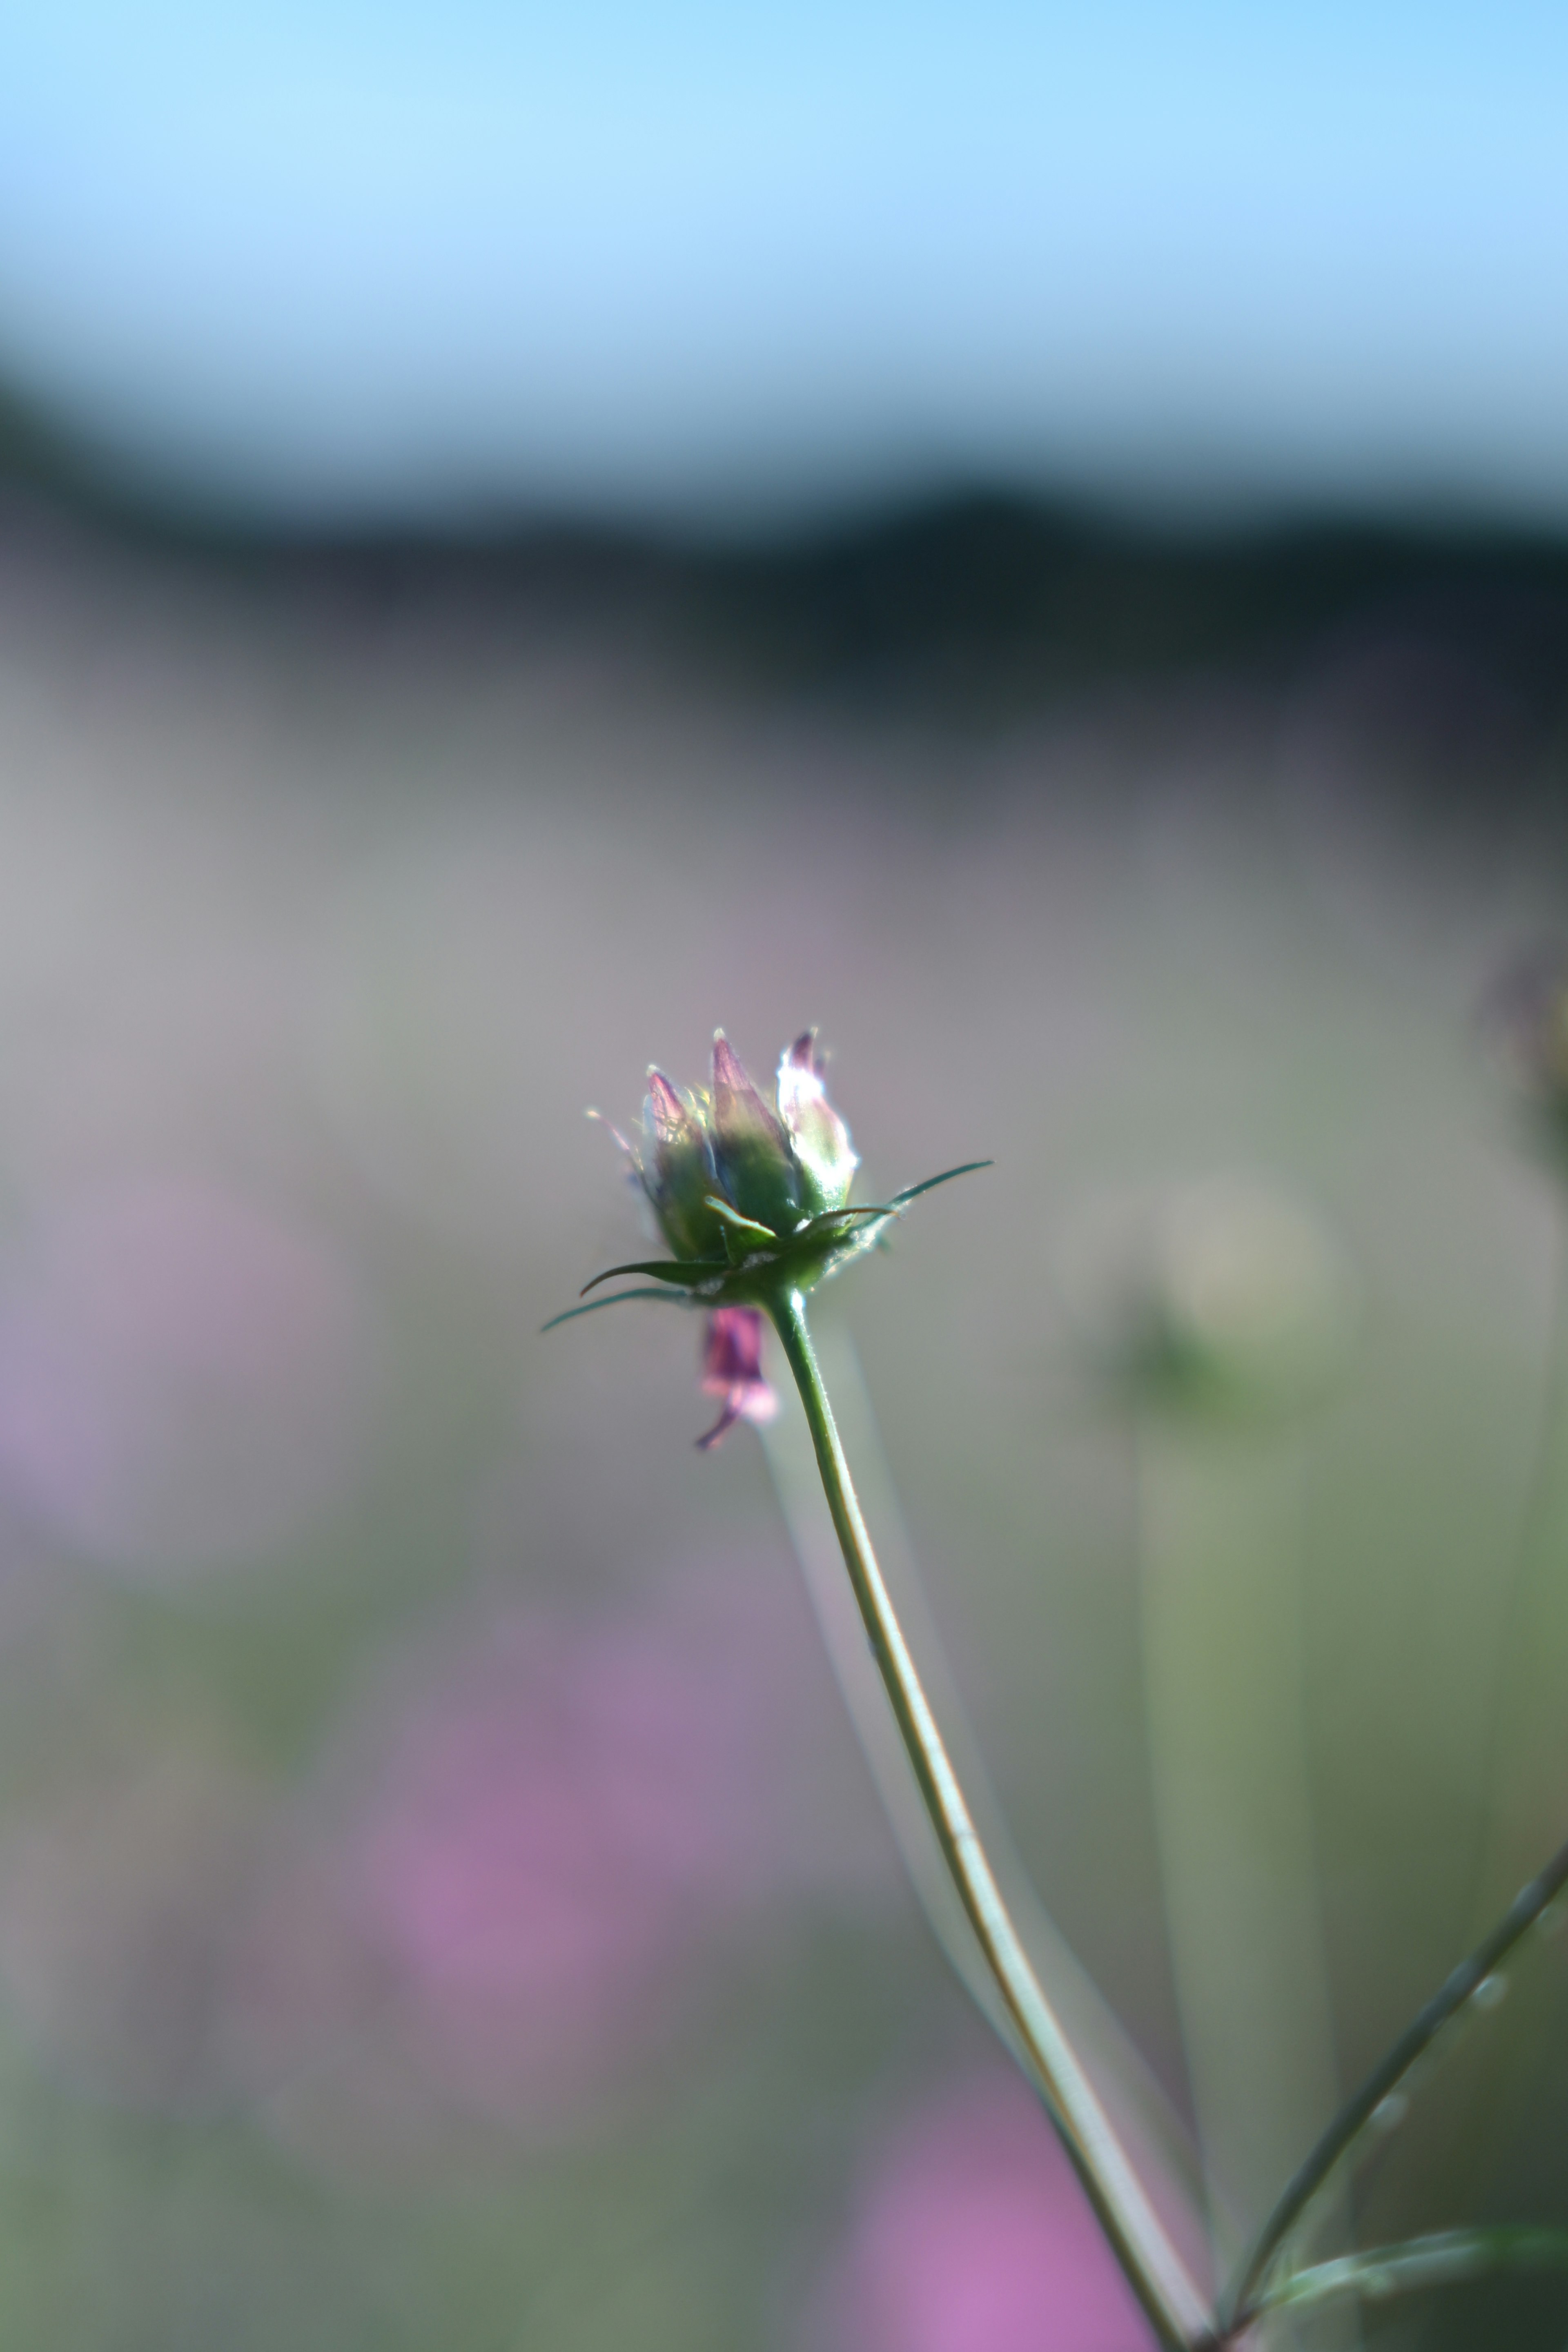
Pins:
<point x="975" y="2236"/>
<point x="186" y="1377"/>
<point x="552" y="1822"/>
<point x="544" y="1836"/>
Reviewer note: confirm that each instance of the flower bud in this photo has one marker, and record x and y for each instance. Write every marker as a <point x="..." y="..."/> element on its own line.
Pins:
<point x="1224" y="1297"/>
<point x="824" y="1158"/>
<point x="754" y="1200"/>
<point x="750" y="1150"/>
<point x="678" y="1171"/>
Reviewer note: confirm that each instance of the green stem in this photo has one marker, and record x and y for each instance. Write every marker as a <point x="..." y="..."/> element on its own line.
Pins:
<point x="1219" y="1542"/>
<point x="1155" y="2272"/>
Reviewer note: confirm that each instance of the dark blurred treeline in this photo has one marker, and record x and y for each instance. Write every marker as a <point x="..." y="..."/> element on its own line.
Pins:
<point x="972" y="607"/>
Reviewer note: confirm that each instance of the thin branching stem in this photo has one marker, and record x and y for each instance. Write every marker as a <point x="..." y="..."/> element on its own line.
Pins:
<point x="1246" y="2294"/>
<point x="1175" y="2308"/>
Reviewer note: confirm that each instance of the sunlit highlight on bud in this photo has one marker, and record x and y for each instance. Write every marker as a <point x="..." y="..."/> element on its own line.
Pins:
<point x="820" y="1141"/>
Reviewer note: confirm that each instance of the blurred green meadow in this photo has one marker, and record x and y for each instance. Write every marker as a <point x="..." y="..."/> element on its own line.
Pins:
<point x="442" y="1900"/>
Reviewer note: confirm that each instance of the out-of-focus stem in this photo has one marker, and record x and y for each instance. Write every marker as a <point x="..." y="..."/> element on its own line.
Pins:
<point x="1523" y="1775"/>
<point x="1223" y="1675"/>
<point x="1154" y="2269"/>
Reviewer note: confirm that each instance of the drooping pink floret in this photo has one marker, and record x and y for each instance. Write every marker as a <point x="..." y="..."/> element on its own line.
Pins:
<point x="732" y="1370"/>
<point x="975" y="2237"/>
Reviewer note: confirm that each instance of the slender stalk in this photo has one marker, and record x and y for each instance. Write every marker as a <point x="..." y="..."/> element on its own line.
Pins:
<point x="1219" y="1538"/>
<point x="1170" y="2298"/>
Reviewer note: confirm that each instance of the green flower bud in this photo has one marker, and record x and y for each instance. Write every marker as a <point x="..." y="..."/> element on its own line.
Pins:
<point x="757" y="1169"/>
<point x="678" y="1172"/>
<point x="1225" y="1297"/>
<point x="824" y="1158"/>
<point x="752" y="1200"/>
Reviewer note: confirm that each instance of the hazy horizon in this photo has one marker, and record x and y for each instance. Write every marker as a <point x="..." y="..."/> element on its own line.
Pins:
<point x="343" y="268"/>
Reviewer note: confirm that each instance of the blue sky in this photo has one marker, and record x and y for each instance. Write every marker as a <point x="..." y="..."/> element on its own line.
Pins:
<point x="728" y="263"/>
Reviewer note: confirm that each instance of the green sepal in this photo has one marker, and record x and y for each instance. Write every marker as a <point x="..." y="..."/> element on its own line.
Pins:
<point x="671" y="1299"/>
<point x="914" y="1191"/>
<point x="764" y="1235"/>
<point x="1446" y="2258"/>
<point x="825" y="1217"/>
<point x="687" y="1272"/>
<point x="816" y="1248"/>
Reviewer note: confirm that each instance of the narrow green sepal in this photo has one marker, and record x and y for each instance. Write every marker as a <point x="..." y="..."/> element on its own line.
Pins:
<point x="688" y="1273"/>
<point x="914" y="1191"/>
<point x="838" y="1216"/>
<point x="747" y="1225"/>
<point x="1444" y="2259"/>
<point x="671" y="1297"/>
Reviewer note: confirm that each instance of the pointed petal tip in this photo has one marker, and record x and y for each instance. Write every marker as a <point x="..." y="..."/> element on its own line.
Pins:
<point x="611" y="1129"/>
<point x="731" y="1077"/>
<point x="668" y="1113"/>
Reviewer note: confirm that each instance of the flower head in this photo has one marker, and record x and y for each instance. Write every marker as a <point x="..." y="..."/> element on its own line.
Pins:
<point x="753" y="1199"/>
<point x="749" y="1193"/>
<point x="724" y="1167"/>
<point x="1225" y="1297"/>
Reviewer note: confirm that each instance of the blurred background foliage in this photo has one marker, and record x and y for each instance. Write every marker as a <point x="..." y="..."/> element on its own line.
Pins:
<point x="439" y="1895"/>
<point x="441" y="1898"/>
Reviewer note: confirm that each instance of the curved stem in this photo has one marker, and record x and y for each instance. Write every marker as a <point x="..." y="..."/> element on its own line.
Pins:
<point x="1171" y="2300"/>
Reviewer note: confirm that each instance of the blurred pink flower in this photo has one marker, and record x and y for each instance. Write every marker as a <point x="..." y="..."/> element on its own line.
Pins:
<point x="545" y="1829"/>
<point x="185" y="1377"/>
<point x="975" y="2237"/>
<point x="732" y="1368"/>
<point x="547" y="1835"/>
